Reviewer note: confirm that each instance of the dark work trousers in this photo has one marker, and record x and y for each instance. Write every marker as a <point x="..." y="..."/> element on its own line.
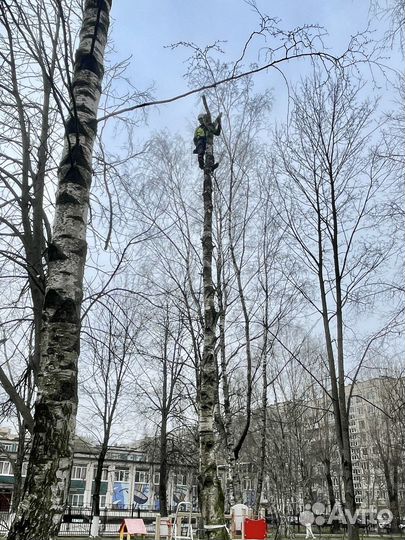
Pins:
<point x="200" y="151"/>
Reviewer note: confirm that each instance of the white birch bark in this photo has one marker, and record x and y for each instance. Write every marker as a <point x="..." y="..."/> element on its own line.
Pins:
<point x="210" y="491"/>
<point x="47" y="483"/>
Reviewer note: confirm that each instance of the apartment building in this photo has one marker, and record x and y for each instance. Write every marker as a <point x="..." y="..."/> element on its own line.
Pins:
<point x="377" y="435"/>
<point x="300" y="436"/>
<point x="302" y="449"/>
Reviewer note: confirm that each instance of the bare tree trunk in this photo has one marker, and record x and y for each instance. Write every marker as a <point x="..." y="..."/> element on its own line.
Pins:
<point x="391" y="480"/>
<point x="331" y="492"/>
<point x="263" y="427"/>
<point x="264" y="352"/>
<point x="341" y="413"/>
<point x="163" y="432"/>
<point x="48" y="475"/>
<point x="97" y="488"/>
<point x="329" y="482"/>
<point x="347" y="467"/>
<point x="227" y="417"/>
<point x="210" y="491"/>
<point x="263" y="423"/>
<point x="163" y="469"/>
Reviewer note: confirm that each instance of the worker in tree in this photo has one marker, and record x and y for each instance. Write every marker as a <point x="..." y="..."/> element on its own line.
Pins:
<point x="205" y="132"/>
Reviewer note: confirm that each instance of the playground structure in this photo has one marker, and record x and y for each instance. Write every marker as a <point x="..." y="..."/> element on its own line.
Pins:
<point x="255" y="529"/>
<point x="181" y="530"/>
<point x="132" y="528"/>
<point x="242" y="526"/>
<point x="239" y="525"/>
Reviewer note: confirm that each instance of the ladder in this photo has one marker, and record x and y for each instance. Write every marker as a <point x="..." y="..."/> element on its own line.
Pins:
<point x="183" y="512"/>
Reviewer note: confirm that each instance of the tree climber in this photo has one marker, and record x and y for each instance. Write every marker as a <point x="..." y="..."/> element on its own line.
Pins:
<point x="204" y="131"/>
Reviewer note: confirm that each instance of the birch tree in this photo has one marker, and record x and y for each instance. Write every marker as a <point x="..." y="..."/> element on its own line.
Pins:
<point x="210" y="491"/>
<point x="51" y="452"/>
<point x="336" y="185"/>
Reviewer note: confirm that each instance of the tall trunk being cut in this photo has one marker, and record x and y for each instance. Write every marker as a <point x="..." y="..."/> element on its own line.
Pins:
<point x="210" y="492"/>
<point x="50" y="461"/>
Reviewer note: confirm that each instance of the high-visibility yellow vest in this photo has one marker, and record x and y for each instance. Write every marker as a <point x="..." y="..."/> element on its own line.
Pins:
<point x="199" y="132"/>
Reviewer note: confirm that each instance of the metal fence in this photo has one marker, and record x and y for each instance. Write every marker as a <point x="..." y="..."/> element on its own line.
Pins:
<point x="77" y="521"/>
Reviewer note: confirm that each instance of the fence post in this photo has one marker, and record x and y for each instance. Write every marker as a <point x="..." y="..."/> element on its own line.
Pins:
<point x="69" y="517"/>
<point x="157" y="529"/>
<point x="105" y="518"/>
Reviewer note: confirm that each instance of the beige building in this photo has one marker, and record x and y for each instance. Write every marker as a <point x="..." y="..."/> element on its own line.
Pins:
<point x="129" y="476"/>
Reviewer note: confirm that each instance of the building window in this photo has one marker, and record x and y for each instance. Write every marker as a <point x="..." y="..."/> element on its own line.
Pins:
<point x="5" y="468"/>
<point x="121" y="475"/>
<point x="24" y="468"/>
<point x="246" y="484"/>
<point x="75" y="499"/>
<point x="136" y="457"/>
<point x="79" y="472"/>
<point x="156" y="479"/>
<point x="8" y="447"/>
<point x="104" y="474"/>
<point x="114" y="455"/>
<point x="141" y="477"/>
<point x="180" y="480"/>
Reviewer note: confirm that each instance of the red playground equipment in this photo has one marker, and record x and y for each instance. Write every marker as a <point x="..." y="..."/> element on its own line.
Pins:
<point x="255" y="529"/>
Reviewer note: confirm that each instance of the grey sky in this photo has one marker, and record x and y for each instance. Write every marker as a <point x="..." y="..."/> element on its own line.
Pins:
<point x="143" y="28"/>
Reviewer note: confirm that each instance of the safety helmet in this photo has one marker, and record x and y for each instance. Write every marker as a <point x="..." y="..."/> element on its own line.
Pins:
<point x="201" y="117"/>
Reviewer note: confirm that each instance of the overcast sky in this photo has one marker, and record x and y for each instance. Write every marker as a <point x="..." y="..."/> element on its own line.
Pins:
<point x="144" y="28"/>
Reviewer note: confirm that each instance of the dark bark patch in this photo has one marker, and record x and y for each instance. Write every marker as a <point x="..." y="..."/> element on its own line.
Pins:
<point x="52" y="299"/>
<point x="87" y="61"/>
<point x="82" y="107"/>
<point x="76" y="346"/>
<point x="55" y="253"/>
<point x="43" y="418"/>
<point x="76" y="157"/>
<point x="67" y="391"/>
<point x="92" y="124"/>
<point x="65" y="309"/>
<point x="74" y="125"/>
<point x="79" y="219"/>
<point x="81" y="249"/>
<point x="81" y="127"/>
<point x="74" y="176"/>
<point x="67" y="198"/>
<point x="102" y="27"/>
<point x="102" y="5"/>
<point x="66" y="312"/>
